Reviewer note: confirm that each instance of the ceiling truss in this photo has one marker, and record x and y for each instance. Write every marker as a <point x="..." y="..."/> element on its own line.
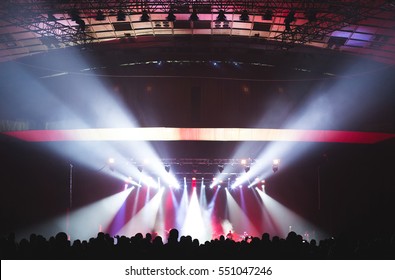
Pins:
<point x="63" y="23"/>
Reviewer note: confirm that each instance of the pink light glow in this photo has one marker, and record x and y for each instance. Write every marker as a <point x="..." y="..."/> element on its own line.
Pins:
<point x="200" y="134"/>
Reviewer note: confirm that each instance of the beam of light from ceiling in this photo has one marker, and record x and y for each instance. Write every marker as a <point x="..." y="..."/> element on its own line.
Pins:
<point x="168" y="209"/>
<point x="197" y="223"/>
<point x="84" y="222"/>
<point x="33" y="107"/>
<point x="182" y="209"/>
<point x="238" y="218"/>
<point x="215" y="222"/>
<point x="144" y="220"/>
<point x="242" y="199"/>
<point x="135" y="202"/>
<point x="227" y="226"/>
<point x="340" y="105"/>
<point x="202" y="196"/>
<point x="85" y="102"/>
<point x="119" y="218"/>
<point x="286" y="219"/>
<point x="159" y="225"/>
<point x="269" y="224"/>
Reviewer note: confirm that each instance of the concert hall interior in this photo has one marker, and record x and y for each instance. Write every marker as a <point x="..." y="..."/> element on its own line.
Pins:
<point x="208" y="125"/>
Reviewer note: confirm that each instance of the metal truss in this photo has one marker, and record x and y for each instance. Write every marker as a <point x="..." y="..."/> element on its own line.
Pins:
<point x="321" y="16"/>
<point x="199" y="166"/>
<point x="199" y="161"/>
<point x="328" y="17"/>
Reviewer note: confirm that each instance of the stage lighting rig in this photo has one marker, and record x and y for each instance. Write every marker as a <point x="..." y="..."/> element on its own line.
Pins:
<point x="275" y="166"/>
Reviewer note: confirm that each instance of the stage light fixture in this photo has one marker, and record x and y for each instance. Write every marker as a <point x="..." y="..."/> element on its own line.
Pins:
<point x="100" y="15"/>
<point x="140" y="168"/>
<point x="111" y="160"/>
<point x="276" y="163"/>
<point x="75" y="15"/>
<point x="220" y="168"/>
<point x="244" y="16"/>
<point x="144" y="16"/>
<point x="268" y="15"/>
<point x="311" y="15"/>
<point x="288" y="19"/>
<point x="121" y="16"/>
<point x="194" y="16"/>
<point x="81" y="24"/>
<point x="171" y="16"/>
<point x="167" y="168"/>
<point x="247" y="168"/>
<point x="243" y="161"/>
<point x="51" y="17"/>
<point x="221" y="16"/>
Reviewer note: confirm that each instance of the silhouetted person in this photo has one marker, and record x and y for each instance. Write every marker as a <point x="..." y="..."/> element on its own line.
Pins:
<point x="173" y="236"/>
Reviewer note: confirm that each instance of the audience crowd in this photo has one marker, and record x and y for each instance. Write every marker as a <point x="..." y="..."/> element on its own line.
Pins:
<point x="104" y="246"/>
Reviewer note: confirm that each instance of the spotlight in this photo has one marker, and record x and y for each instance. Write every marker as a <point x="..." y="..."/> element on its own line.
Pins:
<point x="246" y="169"/>
<point x="111" y="162"/>
<point x="75" y="15"/>
<point x="121" y="16"/>
<point x="244" y="16"/>
<point x="268" y="15"/>
<point x="171" y="16"/>
<point x="276" y="163"/>
<point x="100" y="15"/>
<point x="51" y="17"/>
<point x="243" y="161"/>
<point x="220" y="168"/>
<point x="221" y="16"/>
<point x="288" y="19"/>
<point x="81" y="24"/>
<point x="167" y="168"/>
<point x="311" y="15"/>
<point x="144" y="16"/>
<point x="194" y="16"/>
